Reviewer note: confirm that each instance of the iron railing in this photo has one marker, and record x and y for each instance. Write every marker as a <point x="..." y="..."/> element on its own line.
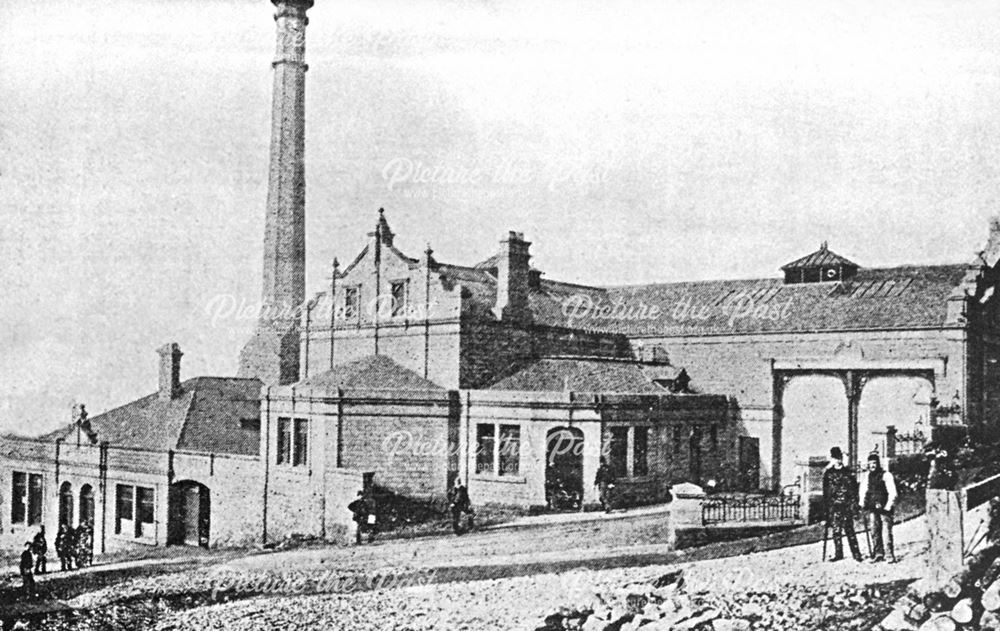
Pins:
<point x="751" y="509"/>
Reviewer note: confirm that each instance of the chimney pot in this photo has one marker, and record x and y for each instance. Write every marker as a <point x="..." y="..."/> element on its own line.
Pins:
<point x="170" y="371"/>
<point x="513" y="279"/>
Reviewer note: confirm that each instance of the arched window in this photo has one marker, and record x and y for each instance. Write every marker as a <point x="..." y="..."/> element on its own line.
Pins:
<point x="87" y="504"/>
<point x="66" y="504"/>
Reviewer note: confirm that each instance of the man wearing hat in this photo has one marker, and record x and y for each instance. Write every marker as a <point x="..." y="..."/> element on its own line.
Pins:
<point x="840" y="497"/>
<point x="878" y="496"/>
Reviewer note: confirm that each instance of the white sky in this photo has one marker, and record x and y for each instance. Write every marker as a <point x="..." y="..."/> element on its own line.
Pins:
<point x="641" y="141"/>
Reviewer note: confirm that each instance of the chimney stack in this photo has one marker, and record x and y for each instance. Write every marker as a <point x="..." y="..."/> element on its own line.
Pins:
<point x="513" y="279"/>
<point x="170" y="371"/>
<point x="272" y="353"/>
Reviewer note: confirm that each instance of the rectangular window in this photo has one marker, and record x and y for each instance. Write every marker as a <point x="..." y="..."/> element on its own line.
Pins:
<point x="352" y="301"/>
<point x="399" y="298"/>
<point x="713" y="437"/>
<point x="34" y="499"/>
<point x="144" y="512"/>
<point x="618" y="452"/>
<point x="510" y="450"/>
<point x="640" y="446"/>
<point x="124" y="507"/>
<point x="301" y="453"/>
<point x="19" y="498"/>
<point x="678" y="439"/>
<point x="485" y="441"/>
<point x="284" y="451"/>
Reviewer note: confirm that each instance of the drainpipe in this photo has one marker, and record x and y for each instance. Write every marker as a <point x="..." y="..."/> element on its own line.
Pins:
<point x="267" y="461"/>
<point x="333" y="306"/>
<point x="102" y="477"/>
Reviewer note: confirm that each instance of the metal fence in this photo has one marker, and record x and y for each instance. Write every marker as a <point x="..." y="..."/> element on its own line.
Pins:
<point x="751" y="509"/>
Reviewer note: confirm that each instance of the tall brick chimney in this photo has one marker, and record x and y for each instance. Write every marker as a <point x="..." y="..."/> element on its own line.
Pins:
<point x="513" y="279"/>
<point x="170" y="371"/>
<point x="272" y="353"/>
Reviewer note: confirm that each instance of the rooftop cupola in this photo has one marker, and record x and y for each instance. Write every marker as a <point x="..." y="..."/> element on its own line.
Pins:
<point x="823" y="265"/>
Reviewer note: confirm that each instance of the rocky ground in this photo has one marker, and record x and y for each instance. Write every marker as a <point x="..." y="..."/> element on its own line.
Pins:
<point x="405" y="586"/>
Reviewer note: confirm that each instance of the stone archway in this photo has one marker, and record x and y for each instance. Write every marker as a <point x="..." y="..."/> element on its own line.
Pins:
<point x="87" y="504"/>
<point x="188" y="514"/>
<point x="66" y="504"/>
<point x="814" y="419"/>
<point x="899" y="402"/>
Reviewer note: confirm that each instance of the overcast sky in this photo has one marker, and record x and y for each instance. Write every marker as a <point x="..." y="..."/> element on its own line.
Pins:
<point x="631" y="142"/>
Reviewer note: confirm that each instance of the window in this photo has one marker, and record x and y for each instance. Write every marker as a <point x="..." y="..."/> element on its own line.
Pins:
<point x="251" y="424"/>
<point x="135" y="511"/>
<point x="284" y="452"/>
<point x="399" y="298"/>
<point x="351" y="302"/>
<point x="485" y="441"/>
<point x="300" y="454"/>
<point x="26" y="498"/>
<point x="640" y="447"/>
<point x="713" y="437"/>
<point x="678" y="439"/>
<point x="124" y="502"/>
<point x="510" y="450"/>
<point x="618" y="452"/>
<point x="144" y="512"/>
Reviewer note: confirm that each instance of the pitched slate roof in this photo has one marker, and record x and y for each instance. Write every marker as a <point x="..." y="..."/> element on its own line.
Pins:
<point x="206" y="417"/>
<point x="885" y="298"/>
<point x="588" y="375"/>
<point x="823" y="257"/>
<point x="371" y="372"/>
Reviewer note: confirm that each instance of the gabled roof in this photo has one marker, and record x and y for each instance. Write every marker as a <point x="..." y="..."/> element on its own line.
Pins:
<point x="875" y="299"/>
<point x="206" y="417"/>
<point x="587" y="375"/>
<point x="372" y="372"/>
<point x="823" y="257"/>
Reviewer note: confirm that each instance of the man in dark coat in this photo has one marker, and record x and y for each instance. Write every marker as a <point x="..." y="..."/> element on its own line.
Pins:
<point x="840" y="497"/>
<point x="64" y="548"/>
<point x="603" y="481"/>
<point x="26" y="567"/>
<point x="458" y="499"/>
<point x="364" y="509"/>
<point x="40" y="547"/>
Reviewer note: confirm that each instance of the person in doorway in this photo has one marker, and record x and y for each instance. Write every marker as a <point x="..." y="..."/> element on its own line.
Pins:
<point x="83" y="544"/>
<point x="458" y="500"/>
<point x="604" y="481"/>
<point x="27" y="567"/>
<point x="64" y="549"/>
<point x="840" y="498"/>
<point x="41" y="548"/>
<point x="878" y="498"/>
<point x="357" y="508"/>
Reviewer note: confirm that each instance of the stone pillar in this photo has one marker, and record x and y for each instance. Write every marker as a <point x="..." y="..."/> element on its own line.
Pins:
<point x="272" y="354"/>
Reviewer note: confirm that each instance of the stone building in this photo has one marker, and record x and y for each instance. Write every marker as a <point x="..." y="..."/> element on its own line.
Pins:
<point x="177" y="466"/>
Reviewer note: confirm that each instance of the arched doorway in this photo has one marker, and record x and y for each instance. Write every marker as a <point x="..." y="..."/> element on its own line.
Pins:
<point x="189" y="514"/>
<point x="87" y="504"/>
<point x="564" y="468"/>
<point x="66" y="504"/>
<point x="814" y="420"/>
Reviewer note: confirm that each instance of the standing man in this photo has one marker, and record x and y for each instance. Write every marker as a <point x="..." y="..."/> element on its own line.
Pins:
<point x="26" y="567"/>
<point x="357" y="507"/>
<point x="878" y="497"/>
<point x="603" y="481"/>
<point x="840" y="498"/>
<point x="41" y="548"/>
<point x="63" y="548"/>
<point x="458" y="498"/>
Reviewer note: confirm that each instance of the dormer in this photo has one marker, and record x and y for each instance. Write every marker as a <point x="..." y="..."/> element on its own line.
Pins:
<point x="822" y="266"/>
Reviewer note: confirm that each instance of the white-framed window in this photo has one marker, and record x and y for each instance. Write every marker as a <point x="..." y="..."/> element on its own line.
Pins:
<point x="26" y="498"/>
<point x="293" y="442"/>
<point x="498" y="449"/>
<point x="352" y="302"/>
<point x="135" y="511"/>
<point x="399" y="292"/>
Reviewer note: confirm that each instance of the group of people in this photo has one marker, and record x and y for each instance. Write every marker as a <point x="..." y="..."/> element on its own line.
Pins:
<point x="874" y="495"/>
<point x="73" y="546"/>
<point x="365" y="511"/>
